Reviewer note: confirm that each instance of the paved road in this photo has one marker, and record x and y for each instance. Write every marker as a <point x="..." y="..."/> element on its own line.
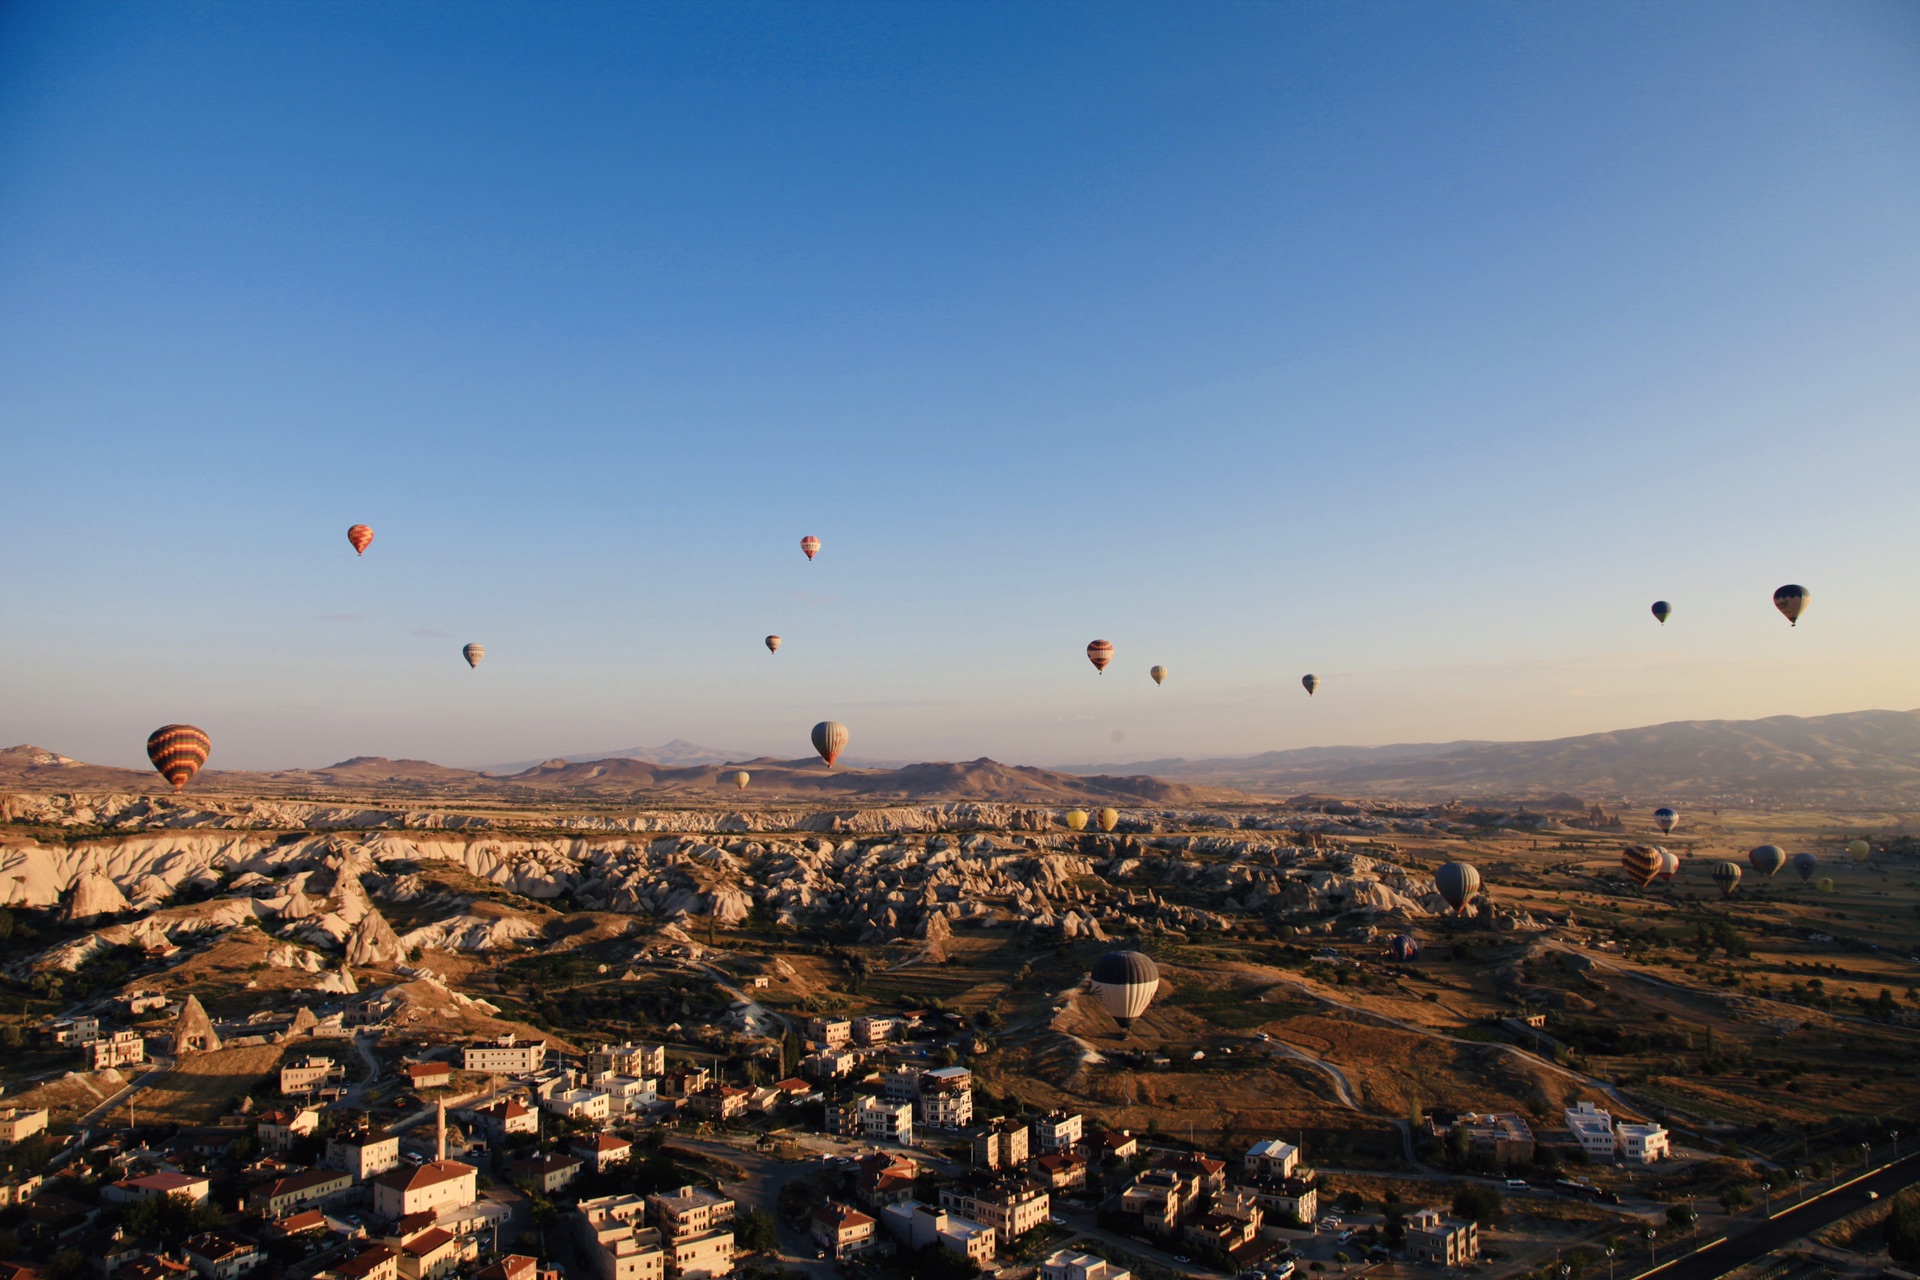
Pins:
<point x="160" y="1068"/>
<point x="1789" y="1225"/>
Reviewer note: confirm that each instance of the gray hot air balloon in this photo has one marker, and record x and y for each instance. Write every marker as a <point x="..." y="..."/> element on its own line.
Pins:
<point x="473" y="653"/>
<point x="1791" y="600"/>
<point x="829" y="739"/>
<point x="1767" y="859"/>
<point x="1804" y="865"/>
<point x="1125" y="982"/>
<point x="1727" y="876"/>
<point x="1310" y="683"/>
<point x="1457" y="883"/>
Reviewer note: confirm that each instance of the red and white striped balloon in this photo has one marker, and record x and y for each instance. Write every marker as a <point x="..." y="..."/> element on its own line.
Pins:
<point x="1100" y="653"/>
<point x="810" y="545"/>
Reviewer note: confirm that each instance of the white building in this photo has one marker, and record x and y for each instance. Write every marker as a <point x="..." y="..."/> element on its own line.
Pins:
<point x="617" y="1247"/>
<point x="918" y="1225"/>
<point x="1445" y="1242"/>
<point x="17" y="1123"/>
<point x="1592" y="1128"/>
<point x="886" y="1121"/>
<point x="435" y="1187"/>
<point x="1271" y="1159"/>
<point x="831" y="1032"/>
<point x="1642" y="1143"/>
<point x="121" y="1049"/>
<point x="366" y="1154"/>
<point x="300" y="1079"/>
<point x="1065" y="1264"/>
<point x="629" y="1059"/>
<point x="1058" y="1131"/>
<point x="581" y="1104"/>
<point x="508" y="1055"/>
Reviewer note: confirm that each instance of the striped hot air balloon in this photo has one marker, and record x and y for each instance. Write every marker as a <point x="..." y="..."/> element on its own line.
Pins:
<point x="1100" y="653"/>
<point x="1642" y="863"/>
<point x="1727" y="876"/>
<point x="1457" y="883"/>
<point x="829" y="739"/>
<point x="1076" y="819"/>
<point x="1125" y="982"/>
<point x="810" y="545"/>
<point x="177" y="752"/>
<point x="473" y="653"/>
<point x="361" y="536"/>
<point x="773" y="644"/>
<point x="1791" y="600"/>
<point x="1767" y="859"/>
<point x="1310" y="683"/>
<point x="1108" y="819"/>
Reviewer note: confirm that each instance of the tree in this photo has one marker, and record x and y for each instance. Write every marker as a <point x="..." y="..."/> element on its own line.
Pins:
<point x="1903" y="1228"/>
<point x="756" y="1232"/>
<point x="171" y="1219"/>
<point x="1681" y="1216"/>
<point x="1478" y="1203"/>
<point x="1735" y="1198"/>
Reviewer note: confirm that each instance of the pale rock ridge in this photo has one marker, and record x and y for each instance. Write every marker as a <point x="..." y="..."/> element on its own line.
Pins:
<point x="373" y="942"/>
<point x="95" y="894"/>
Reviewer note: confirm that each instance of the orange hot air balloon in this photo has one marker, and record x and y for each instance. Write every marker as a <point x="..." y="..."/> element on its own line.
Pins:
<point x="177" y="752"/>
<point x="810" y="545"/>
<point x="1100" y="653"/>
<point x="829" y="739"/>
<point x="361" y="536"/>
<point x="773" y="644"/>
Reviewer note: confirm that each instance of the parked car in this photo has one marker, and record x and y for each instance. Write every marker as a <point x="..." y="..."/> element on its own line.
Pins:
<point x="1516" y="1184"/>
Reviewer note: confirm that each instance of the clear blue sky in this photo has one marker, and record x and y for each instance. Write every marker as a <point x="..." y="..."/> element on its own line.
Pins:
<point x="1420" y="346"/>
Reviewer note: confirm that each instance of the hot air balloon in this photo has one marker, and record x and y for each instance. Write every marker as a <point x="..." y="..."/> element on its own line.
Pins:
<point x="177" y="752"/>
<point x="1403" y="948"/>
<point x="1642" y="863"/>
<point x="829" y="739"/>
<point x="1727" y="876"/>
<point x="361" y="536"/>
<point x="810" y="545"/>
<point x="1666" y="819"/>
<point x="1108" y="819"/>
<point x="1125" y="982"/>
<point x="1858" y="850"/>
<point x="1457" y="882"/>
<point x="1310" y="683"/>
<point x="773" y="644"/>
<point x="1662" y="610"/>
<point x="1159" y="674"/>
<point x="1076" y="819"/>
<point x="1791" y="601"/>
<point x="1669" y="866"/>
<point x="1805" y="864"/>
<point x="1767" y="859"/>
<point x="1825" y="885"/>
<point x="741" y="779"/>
<point x="1100" y="653"/>
<point x="473" y="653"/>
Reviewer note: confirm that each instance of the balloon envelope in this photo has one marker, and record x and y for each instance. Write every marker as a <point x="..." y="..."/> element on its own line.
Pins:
<point x="361" y="537"/>
<point x="1159" y="674"/>
<point x="1669" y="865"/>
<point x="829" y="739"/>
<point x="1767" y="859"/>
<point x="741" y="779"/>
<point x="1666" y="819"/>
<point x="1125" y="982"/>
<point x="1404" y="948"/>
<point x="1858" y="850"/>
<point x="177" y="752"/>
<point x="773" y="644"/>
<point x="1100" y="653"/>
<point x="1457" y="883"/>
<point x="1825" y="885"/>
<point x="473" y="653"/>
<point x="1108" y="819"/>
<point x="1805" y="864"/>
<point x="1642" y="863"/>
<point x="1662" y="610"/>
<point x="1727" y="876"/>
<point x="1310" y="683"/>
<point x="810" y="545"/>
<point x="1791" y="600"/>
<point x="1076" y="819"/>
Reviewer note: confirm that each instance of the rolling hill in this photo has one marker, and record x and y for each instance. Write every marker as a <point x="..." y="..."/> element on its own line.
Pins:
<point x="1859" y="757"/>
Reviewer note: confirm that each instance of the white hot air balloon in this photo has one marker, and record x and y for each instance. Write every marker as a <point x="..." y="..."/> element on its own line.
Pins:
<point x="1125" y="982"/>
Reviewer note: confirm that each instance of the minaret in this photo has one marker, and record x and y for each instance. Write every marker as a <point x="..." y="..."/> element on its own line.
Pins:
<point x="440" y="1147"/>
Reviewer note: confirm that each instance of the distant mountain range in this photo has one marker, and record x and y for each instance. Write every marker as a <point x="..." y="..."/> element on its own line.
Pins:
<point x="1859" y="757"/>
<point x="679" y="753"/>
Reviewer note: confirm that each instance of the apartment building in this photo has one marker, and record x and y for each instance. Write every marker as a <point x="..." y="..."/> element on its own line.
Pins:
<point x="1445" y="1242"/>
<point x="508" y="1055"/>
<point x="946" y="1098"/>
<point x="831" y="1032"/>
<point x="590" y="1105"/>
<point x="299" y="1191"/>
<point x="1642" y="1143"/>
<point x="1000" y="1144"/>
<point x="874" y="1029"/>
<point x="214" y="1255"/>
<point x="1282" y="1198"/>
<point x="1271" y="1159"/>
<point x="917" y="1225"/>
<point x="1058" y="1131"/>
<point x="642" y="1061"/>
<point x="1010" y="1206"/>
<point x="154" y="1185"/>
<point x="828" y="1064"/>
<point x="19" y="1123"/>
<point x="615" y="1245"/>
<point x="546" y="1174"/>
<point x="277" y="1130"/>
<point x="1592" y="1128"/>
<point x="1501" y="1139"/>
<point x="842" y="1230"/>
<point x="508" y="1116"/>
<point x="602" y="1151"/>
<point x="364" y="1153"/>
<point x="886" y="1121"/>
<point x="121" y="1049"/>
<point x="1065" y="1264"/>
<point x="303" y="1078"/>
<point x="689" y="1211"/>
